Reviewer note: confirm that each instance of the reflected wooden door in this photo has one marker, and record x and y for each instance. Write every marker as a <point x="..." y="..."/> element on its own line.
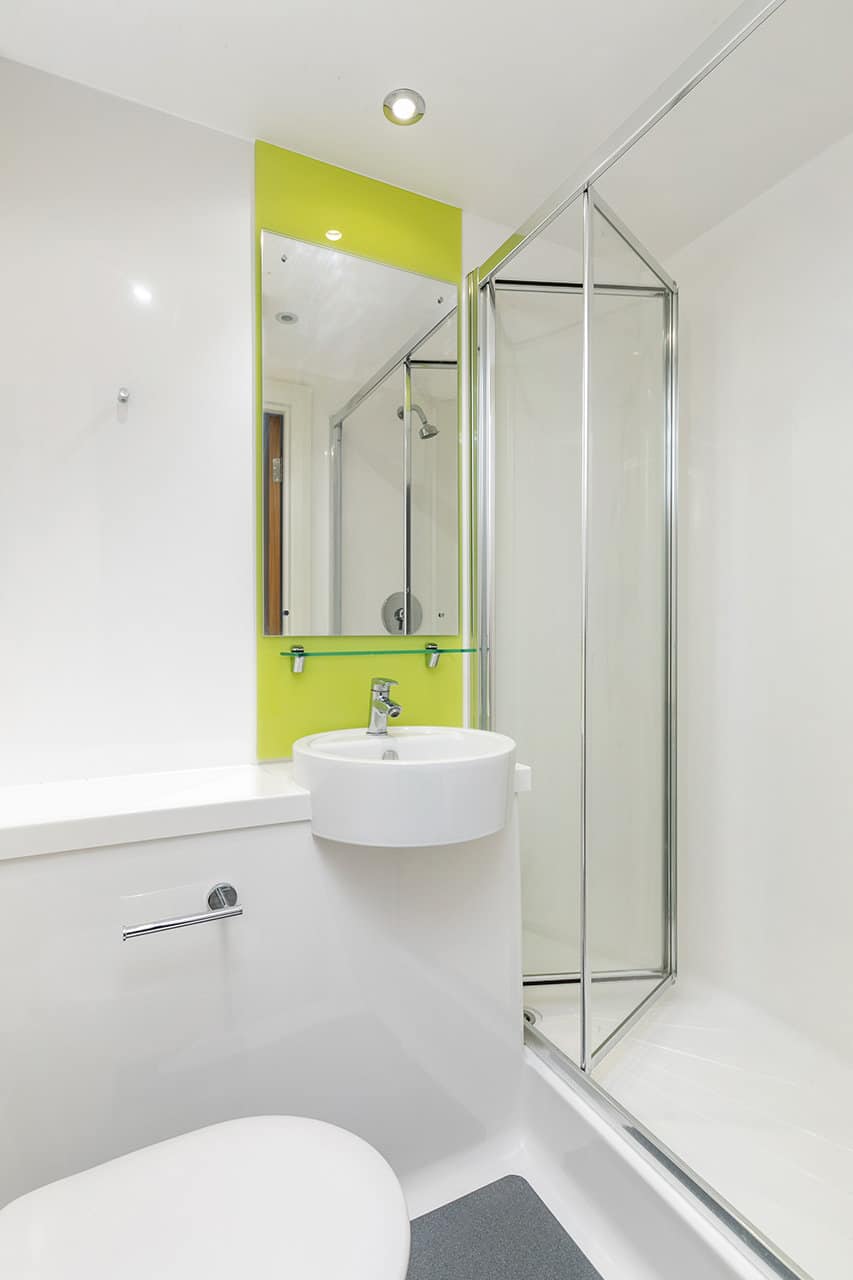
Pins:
<point x="273" y="477"/>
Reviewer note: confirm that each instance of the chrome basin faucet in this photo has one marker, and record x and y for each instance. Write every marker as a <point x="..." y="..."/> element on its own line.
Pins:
<point x="382" y="706"/>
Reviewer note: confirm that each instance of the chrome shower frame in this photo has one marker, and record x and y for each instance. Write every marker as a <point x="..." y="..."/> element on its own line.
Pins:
<point x="666" y="290"/>
<point x="482" y="285"/>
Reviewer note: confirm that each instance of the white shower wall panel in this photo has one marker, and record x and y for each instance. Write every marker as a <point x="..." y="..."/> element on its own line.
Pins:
<point x="766" y="754"/>
<point x="127" y="587"/>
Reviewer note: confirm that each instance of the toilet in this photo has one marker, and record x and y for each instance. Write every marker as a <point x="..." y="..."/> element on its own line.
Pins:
<point x="254" y="1199"/>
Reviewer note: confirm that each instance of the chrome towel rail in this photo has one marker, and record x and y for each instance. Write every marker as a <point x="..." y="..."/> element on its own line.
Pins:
<point x="221" y="905"/>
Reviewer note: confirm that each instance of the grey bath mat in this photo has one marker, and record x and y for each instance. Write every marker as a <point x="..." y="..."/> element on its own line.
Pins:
<point x="501" y="1232"/>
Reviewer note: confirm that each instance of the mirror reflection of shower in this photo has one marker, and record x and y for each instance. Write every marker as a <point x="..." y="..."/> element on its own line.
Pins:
<point x="380" y="470"/>
<point x="428" y="430"/>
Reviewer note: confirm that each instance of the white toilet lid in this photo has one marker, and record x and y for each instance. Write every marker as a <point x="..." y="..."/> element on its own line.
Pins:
<point x="267" y="1197"/>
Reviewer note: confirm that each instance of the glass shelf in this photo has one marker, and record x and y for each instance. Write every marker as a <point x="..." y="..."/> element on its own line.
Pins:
<point x="430" y="652"/>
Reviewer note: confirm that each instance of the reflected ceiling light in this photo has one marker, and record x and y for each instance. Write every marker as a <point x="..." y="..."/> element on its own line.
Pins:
<point x="287" y="317"/>
<point x="142" y="294"/>
<point x="403" y="106"/>
<point x="334" y="234"/>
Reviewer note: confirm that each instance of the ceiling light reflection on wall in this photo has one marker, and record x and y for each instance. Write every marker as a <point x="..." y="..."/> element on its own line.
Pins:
<point x="403" y="106"/>
<point x="142" y="294"/>
<point x="334" y="234"/>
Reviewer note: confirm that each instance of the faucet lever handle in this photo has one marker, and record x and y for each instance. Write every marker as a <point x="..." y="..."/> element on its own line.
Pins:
<point x="382" y="683"/>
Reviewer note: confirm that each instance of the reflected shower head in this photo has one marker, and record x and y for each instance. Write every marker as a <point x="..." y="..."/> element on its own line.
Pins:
<point x="428" y="429"/>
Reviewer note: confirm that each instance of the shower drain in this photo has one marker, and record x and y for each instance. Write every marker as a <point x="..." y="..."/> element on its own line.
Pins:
<point x="531" y="1016"/>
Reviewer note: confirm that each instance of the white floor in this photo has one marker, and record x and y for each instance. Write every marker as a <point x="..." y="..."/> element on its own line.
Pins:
<point x="761" y="1115"/>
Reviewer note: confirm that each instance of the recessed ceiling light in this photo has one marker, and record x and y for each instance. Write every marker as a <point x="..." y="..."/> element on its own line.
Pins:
<point x="333" y="234"/>
<point x="142" y="294"/>
<point x="403" y="106"/>
<point x="287" y="317"/>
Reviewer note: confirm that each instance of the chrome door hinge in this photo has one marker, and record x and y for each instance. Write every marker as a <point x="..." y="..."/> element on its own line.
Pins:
<point x="277" y="470"/>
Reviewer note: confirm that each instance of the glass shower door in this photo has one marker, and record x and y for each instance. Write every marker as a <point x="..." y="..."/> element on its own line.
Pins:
<point x="577" y="444"/>
<point x="536" y="350"/>
<point x="629" y="888"/>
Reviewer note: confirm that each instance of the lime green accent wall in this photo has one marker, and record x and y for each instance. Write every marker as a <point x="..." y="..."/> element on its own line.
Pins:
<point x="300" y="197"/>
<point x="303" y="198"/>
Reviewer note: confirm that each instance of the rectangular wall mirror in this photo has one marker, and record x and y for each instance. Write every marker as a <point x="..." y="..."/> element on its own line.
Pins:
<point x="360" y="446"/>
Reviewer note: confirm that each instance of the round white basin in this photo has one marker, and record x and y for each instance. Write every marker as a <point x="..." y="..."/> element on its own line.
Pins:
<point x="411" y="786"/>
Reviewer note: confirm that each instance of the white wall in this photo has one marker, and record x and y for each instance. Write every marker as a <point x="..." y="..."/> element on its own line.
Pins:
<point x="376" y="989"/>
<point x="766" y="700"/>
<point x="480" y="238"/>
<point x="126" y="536"/>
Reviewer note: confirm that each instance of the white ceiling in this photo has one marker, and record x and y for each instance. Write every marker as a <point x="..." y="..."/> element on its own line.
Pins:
<point x="779" y="100"/>
<point x="517" y="96"/>
<point x="353" y="315"/>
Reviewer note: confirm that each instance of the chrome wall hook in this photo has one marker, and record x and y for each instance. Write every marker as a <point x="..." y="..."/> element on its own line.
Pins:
<point x="123" y="395"/>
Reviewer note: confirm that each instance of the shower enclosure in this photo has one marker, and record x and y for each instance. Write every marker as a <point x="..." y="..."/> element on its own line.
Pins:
<point x="735" y="1083"/>
<point x="393" y="450"/>
<point x="575" y="466"/>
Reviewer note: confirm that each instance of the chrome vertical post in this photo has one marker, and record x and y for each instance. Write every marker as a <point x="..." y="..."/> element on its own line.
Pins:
<point x="336" y="502"/>
<point x="468" y="387"/>
<point x="671" y="945"/>
<point x="586" y="977"/>
<point x="407" y="497"/>
<point x="486" y="507"/>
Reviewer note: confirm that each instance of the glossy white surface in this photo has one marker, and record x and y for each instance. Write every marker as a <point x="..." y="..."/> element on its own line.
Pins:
<point x="767" y="619"/>
<point x="446" y="786"/>
<point x="756" y="1110"/>
<point x="749" y="150"/>
<point x="751" y="1082"/>
<point x="557" y="1009"/>
<point x="53" y="817"/>
<point x="264" y="1196"/>
<point x="626" y="1215"/>
<point x="749" y="1076"/>
<point x="627" y="1218"/>
<point x="128" y="640"/>
<point x="375" y="989"/>
<point x="459" y="154"/>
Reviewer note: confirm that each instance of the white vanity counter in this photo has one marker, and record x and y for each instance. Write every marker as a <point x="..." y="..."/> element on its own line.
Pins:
<point x="51" y="817"/>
